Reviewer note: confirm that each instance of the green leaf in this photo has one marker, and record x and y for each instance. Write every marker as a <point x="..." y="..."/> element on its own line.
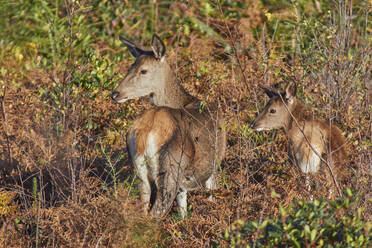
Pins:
<point x="282" y="211"/>
<point x="296" y="243"/>
<point x="274" y="194"/>
<point x="348" y="192"/>
<point x="264" y="224"/>
<point x="313" y="235"/>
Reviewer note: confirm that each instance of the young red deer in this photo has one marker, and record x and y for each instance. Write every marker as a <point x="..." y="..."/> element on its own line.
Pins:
<point x="284" y="110"/>
<point x="175" y="147"/>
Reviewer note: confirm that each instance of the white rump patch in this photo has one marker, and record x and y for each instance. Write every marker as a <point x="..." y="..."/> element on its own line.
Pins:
<point x="151" y="154"/>
<point x="151" y="148"/>
<point x="308" y="164"/>
<point x="150" y="151"/>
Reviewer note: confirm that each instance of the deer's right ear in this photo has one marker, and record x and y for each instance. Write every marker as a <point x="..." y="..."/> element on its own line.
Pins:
<point x="158" y="47"/>
<point x="268" y="92"/>
<point x="133" y="48"/>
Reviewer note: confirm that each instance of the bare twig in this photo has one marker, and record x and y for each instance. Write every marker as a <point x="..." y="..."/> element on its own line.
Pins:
<point x="5" y="124"/>
<point x="233" y="45"/>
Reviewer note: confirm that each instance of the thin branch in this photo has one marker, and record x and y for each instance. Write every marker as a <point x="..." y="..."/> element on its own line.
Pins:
<point x="233" y="45"/>
<point x="5" y="124"/>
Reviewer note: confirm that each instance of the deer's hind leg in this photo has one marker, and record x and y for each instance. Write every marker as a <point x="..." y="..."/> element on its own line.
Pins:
<point x="166" y="193"/>
<point x="170" y="181"/>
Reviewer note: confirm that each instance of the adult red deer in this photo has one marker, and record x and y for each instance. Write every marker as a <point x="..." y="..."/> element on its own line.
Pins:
<point x="176" y="146"/>
<point x="309" y="137"/>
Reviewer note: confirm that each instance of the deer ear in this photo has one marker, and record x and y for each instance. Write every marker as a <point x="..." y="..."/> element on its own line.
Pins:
<point x="133" y="48"/>
<point x="268" y="92"/>
<point x="290" y="92"/>
<point x="158" y="47"/>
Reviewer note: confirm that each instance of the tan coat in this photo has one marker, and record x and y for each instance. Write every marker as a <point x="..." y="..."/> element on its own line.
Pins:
<point x="283" y="111"/>
<point x="175" y="147"/>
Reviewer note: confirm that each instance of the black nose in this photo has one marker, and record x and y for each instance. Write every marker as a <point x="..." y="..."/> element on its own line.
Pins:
<point x="114" y="95"/>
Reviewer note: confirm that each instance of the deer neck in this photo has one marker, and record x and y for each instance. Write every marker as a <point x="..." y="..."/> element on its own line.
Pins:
<point x="171" y="93"/>
<point x="297" y="112"/>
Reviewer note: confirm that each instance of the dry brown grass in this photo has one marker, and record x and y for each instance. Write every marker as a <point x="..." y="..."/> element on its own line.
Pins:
<point x="75" y="204"/>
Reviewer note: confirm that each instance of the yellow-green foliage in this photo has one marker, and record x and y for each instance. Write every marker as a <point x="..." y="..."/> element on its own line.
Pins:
<point x="7" y="203"/>
<point x="317" y="223"/>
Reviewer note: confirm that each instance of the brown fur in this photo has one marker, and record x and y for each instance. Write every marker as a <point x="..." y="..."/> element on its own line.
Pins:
<point x="178" y="128"/>
<point x="158" y="120"/>
<point x="187" y="149"/>
<point x="282" y="111"/>
<point x="332" y="136"/>
<point x="175" y="146"/>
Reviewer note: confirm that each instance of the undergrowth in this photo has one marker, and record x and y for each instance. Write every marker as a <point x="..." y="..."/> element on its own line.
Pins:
<point x="66" y="180"/>
<point x="317" y="223"/>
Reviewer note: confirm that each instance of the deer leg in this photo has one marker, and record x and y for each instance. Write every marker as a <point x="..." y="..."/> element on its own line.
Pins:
<point x="145" y="189"/>
<point x="165" y="195"/>
<point x="308" y="186"/>
<point x="211" y="184"/>
<point x="182" y="202"/>
<point x="167" y="182"/>
<point x="331" y="186"/>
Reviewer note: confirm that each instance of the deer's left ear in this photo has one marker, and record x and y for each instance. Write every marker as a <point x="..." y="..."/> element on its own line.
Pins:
<point x="290" y="92"/>
<point x="133" y="48"/>
<point x="158" y="47"/>
<point x="269" y="92"/>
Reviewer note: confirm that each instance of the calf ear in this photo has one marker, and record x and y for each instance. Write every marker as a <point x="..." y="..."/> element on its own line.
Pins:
<point x="270" y="93"/>
<point x="133" y="48"/>
<point x="290" y="92"/>
<point x="158" y="47"/>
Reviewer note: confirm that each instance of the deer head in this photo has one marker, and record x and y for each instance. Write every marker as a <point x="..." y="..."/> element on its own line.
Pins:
<point x="275" y="114"/>
<point x="148" y="74"/>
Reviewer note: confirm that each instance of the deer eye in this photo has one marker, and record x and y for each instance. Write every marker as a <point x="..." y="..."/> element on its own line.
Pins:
<point x="143" y="71"/>
<point x="272" y="111"/>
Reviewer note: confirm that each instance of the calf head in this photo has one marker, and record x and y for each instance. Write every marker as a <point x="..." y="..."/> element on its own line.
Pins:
<point x="276" y="112"/>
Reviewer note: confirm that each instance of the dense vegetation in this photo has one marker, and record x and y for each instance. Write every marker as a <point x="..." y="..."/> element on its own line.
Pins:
<point x="65" y="176"/>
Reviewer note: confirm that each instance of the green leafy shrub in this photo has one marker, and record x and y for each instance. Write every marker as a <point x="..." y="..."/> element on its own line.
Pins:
<point x="318" y="223"/>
